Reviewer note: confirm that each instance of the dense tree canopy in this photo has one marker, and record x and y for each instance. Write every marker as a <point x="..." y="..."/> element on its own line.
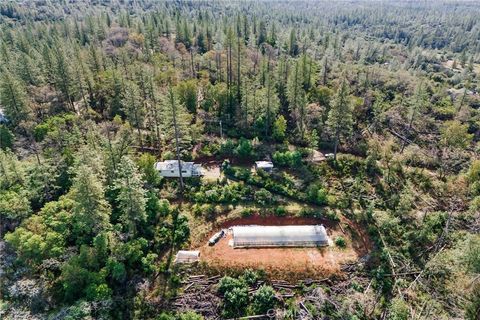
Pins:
<point x="92" y="94"/>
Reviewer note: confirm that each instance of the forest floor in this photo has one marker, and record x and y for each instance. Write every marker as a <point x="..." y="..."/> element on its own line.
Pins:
<point x="287" y="263"/>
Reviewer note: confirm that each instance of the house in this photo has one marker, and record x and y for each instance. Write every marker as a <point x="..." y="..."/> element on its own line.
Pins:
<point x="169" y="168"/>
<point x="2" y="116"/>
<point x="185" y="256"/>
<point x="266" y="166"/>
<point x="279" y="236"/>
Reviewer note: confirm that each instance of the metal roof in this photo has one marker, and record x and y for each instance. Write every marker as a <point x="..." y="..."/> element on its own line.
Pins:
<point x="279" y="236"/>
<point x="173" y="165"/>
<point x="185" y="256"/>
<point x="264" y="164"/>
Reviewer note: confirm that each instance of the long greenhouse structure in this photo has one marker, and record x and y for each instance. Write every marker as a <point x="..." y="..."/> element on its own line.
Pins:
<point x="279" y="236"/>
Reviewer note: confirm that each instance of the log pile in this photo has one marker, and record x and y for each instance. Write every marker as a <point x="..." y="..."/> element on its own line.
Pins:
<point x="198" y="295"/>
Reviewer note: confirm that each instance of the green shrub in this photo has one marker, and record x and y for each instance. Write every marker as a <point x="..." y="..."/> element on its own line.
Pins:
<point x="235" y="296"/>
<point x="6" y="138"/>
<point x="340" y="242"/>
<point x="289" y="159"/>
<point x="250" y="276"/>
<point x="399" y="310"/>
<point x="247" y="212"/>
<point x="317" y="194"/>
<point x="264" y="299"/>
<point x="263" y="197"/>
<point x="189" y="315"/>
<point x="244" y="149"/>
<point x="280" y="211"/>
<point x="311" y="213"/>
<point x="332" y="215"/>
<point x="242" y="173"/>
<point x="168" y="155"/>
<point x="227" y="148"/>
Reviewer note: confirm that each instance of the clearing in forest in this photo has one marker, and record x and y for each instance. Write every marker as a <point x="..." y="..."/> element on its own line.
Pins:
<point x="288" y="262"/>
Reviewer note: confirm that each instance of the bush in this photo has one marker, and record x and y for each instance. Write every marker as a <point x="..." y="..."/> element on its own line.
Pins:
<point x="247" y="212"/>
<point x="399" y="310"/>
<point x="340" y="242"/>
<point x="280" y="211"/>
<point x="228" y="283"/>
<point x="289" y="159"/>
<point x="190" y="315"/>
<point x="264" y="299"/>
<point x="235" y="296"/>
<point x="6" y="138"/>
<point x="235" y="301"/>
<point x="317" y="194"/>
<point x="332" y="215"/>
<point x="227" y="148"/>
<point x="168" y="155"/>
<point x="242" y="173"/>
<point x="250" y="277"/>
<point x="244" y="149"/>
<point x="263" y="197"/>
<point x="311" y="213"/>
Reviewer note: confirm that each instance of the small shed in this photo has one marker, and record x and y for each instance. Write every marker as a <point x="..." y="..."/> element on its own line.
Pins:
<point x="279" y="236"/>
<point x="266" y="166"/>
<point x="185" y="256"/>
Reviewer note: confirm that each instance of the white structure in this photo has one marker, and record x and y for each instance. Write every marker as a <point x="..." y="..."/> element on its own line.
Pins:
<point x="2" y="116"/>
<point x="279" y="236"/>
<point x="184" y="256"/>
<point x="169" y="168"/>
<point x="264" y="165"/>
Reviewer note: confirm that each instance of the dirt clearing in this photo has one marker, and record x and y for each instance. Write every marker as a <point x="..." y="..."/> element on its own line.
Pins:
<point x="321" y="261"/>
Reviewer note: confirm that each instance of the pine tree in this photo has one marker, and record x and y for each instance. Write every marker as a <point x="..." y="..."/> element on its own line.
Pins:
<point x="63" y="74"/>
<point x="133" y="107"/>
<point x="280" y="129"/>
<point x="297" y="99"/>
<point x="262" y="33"/>
<point x="171" y="107"/>
<point x="91" y="212"/>
<point x="340" y="116"/>
<point x="13" y="99"/>
<point x="272" y="39"/>
<point x="131" y="199"/>
<point x="293" y="45"/>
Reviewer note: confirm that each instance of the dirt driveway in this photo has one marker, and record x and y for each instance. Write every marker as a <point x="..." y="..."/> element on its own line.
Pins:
<point x="211" y="171"/>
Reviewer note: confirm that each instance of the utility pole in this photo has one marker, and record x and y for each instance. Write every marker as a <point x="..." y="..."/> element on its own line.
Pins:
<point x="174" y="112"/>
<point x="220" y="124"/>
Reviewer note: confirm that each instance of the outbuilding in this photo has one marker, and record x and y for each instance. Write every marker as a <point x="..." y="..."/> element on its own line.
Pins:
<point x="266" y="166"/>
<point x="185" y="256"/>
<point x="279" y="236"/>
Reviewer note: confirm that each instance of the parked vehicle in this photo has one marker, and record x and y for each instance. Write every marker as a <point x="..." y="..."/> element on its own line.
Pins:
<point x="216" y="237"/>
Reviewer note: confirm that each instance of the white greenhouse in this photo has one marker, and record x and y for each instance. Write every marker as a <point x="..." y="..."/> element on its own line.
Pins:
<point x="185" y="256"/>
<point x="279" y="236"/>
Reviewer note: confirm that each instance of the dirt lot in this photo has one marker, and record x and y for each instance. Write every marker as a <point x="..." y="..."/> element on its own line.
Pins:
<point x="211" y="170"/>
<point x="288" y="262"/>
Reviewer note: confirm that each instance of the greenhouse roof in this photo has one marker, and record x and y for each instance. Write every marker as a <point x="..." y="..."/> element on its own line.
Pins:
<point x="279" y="236"/>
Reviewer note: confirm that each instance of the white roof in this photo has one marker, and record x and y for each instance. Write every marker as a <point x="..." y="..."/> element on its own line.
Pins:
<point x="184" y="256"/>
<point x="278" y="236"/>
<point x="173" y="165"/>
<point x="264" y="164"/>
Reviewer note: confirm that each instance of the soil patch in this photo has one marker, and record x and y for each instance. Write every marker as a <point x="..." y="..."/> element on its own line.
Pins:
<point x="287" y="262"/>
